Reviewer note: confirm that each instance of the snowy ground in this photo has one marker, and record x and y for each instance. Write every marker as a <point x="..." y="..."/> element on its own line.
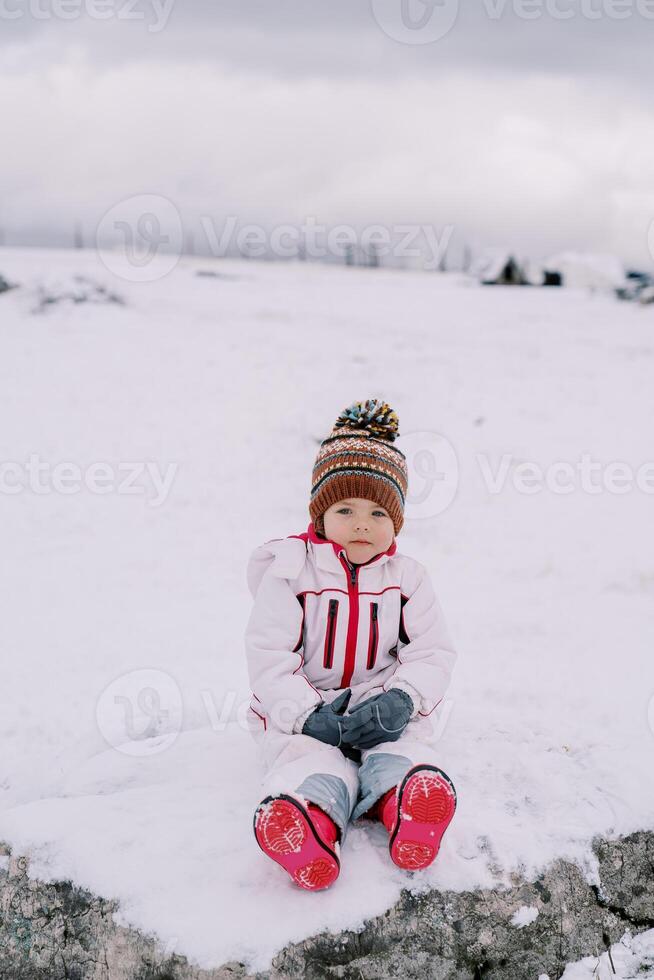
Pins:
<point x="548" y="596"/>
<point x="630" y="959"/>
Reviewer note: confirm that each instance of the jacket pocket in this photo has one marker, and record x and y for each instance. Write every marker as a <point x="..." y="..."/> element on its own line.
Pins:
<point x="373" y="640"/>
<point x="330" y="635"/>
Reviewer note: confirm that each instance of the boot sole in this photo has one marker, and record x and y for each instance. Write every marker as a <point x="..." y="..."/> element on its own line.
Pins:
<point x="425" y="806"/>
<point x="285" y="832"/>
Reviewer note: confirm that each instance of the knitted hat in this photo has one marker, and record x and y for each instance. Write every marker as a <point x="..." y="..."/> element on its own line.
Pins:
<point x="357" y="459"/>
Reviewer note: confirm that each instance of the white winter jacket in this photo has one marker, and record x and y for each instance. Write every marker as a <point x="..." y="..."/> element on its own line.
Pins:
<point x="320" y="624"/>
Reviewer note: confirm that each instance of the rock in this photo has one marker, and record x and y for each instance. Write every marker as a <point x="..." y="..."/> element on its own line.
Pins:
<point x="56" y="931"/>
<point x="627" y="876"/>
<point x="76" y="289"/>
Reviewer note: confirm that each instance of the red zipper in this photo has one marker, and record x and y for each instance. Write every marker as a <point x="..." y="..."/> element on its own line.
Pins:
<point x="374" y="636"/>
<point x="352" y="623"/>
<point x="328" y="656"/>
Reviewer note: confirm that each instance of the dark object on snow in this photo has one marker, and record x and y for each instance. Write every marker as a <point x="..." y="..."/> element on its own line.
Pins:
<point x="79" y="289"/>
<point x="499" y="268"/>
<point x="637" y="287"/>
<point x="6" y="286"/>
<point x="552" y="278"/>
<point x="510" y="275"/>
<point x="212" y="274"/>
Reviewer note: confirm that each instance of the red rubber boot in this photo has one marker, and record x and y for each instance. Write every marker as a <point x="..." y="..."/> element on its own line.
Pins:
<point x="416" y="815"/>
<point x="304" y="841"/>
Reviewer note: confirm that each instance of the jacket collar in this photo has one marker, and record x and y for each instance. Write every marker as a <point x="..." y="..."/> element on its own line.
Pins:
<point x="326" y="552"/>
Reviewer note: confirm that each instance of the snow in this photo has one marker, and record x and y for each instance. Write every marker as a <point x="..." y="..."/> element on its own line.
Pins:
<point x="524" y="916"/>
<point x="125" y="763"/>
<point x="631" y="959"/>
<point x="587" y="270"/>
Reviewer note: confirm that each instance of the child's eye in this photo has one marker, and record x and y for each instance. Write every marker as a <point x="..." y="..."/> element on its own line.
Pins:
<point x="379" y="513"/>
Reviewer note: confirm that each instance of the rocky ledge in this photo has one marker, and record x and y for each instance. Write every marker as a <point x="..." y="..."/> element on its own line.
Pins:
<point x="57" y="931"/>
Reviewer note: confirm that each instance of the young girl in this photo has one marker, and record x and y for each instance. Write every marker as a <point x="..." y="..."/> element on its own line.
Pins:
<point x="348" y="656"/>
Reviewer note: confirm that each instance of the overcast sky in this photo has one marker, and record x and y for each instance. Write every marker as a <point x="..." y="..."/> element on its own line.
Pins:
<point x="521" y="122"/>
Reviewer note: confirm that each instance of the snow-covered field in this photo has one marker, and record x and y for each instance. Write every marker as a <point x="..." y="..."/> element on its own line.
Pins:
<point x="123" y="612"/>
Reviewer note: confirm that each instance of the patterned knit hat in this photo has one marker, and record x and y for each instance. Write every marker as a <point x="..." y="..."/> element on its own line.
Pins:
<point x="358" y="459"/>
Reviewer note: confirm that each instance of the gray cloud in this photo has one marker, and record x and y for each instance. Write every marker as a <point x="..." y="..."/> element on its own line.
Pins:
<point x="297" y="38"/>
<point x="538" y="133"/>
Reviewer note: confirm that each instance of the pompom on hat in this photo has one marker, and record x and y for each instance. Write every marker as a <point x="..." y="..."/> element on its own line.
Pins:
<point x="358" y="459"/>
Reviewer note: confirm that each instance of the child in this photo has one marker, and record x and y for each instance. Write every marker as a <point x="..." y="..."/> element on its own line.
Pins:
<point x="348" y="656"/>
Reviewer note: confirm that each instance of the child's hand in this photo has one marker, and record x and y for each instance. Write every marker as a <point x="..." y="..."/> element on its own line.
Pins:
<point x="379" y="719"/>
<point x="326" y="722"/>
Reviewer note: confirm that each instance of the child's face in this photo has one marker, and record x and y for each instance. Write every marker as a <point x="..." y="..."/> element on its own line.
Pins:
<point x="361" y="526"/>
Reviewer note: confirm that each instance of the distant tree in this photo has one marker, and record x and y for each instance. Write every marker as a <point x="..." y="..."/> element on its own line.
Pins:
<point x="442" y="264"/>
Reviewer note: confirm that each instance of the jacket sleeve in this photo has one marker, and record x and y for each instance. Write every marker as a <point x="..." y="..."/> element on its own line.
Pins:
<point x="425" y="661"/>
<point x="275" y="656"/>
